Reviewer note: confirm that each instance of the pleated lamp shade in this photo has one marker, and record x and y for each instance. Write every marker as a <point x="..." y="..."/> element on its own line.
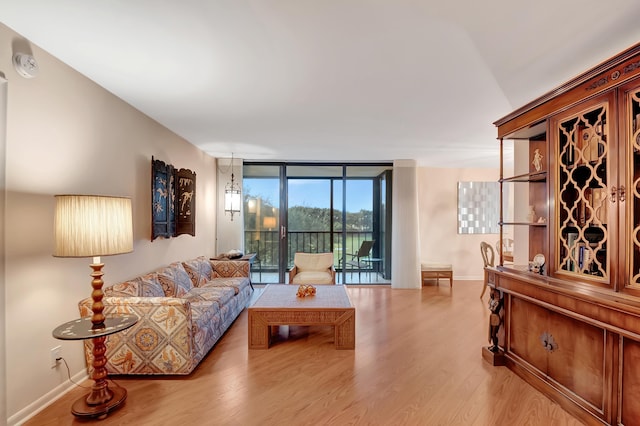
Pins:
<point x="92" y="225"/>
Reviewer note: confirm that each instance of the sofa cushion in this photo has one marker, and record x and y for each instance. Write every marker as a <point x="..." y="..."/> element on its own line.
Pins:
<point x="206" y="327"/>
<point x="236" y="283"/>
<point x="199" y="270"/>
<point x="313" y="261"/>
<point x="214" y="294"/>
<point x="174" y="280"/>
<point x="312" y="277"/>
<point x="207" y="315"/>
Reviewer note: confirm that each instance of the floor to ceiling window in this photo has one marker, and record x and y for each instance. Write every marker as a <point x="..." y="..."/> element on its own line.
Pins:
<point x="315" y="208"/>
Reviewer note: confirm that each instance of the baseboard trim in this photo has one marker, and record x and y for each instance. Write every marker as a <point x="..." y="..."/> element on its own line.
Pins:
<point x="461" y="278"/>
<point x="47" y="399"/>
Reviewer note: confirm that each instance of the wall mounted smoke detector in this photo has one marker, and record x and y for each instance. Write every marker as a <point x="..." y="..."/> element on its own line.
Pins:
<point x="26" y="65"/>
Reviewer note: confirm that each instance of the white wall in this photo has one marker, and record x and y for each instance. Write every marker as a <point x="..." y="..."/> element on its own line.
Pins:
<point x="3" y="144"/>
<point x="230" y="233"/>
<point x="65" y="134"/>
<point x="437" y="212"/>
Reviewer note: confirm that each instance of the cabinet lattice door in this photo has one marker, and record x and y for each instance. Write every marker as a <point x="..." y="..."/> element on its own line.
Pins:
<point x="582" y="205"/>
<point x="633" y="108"/>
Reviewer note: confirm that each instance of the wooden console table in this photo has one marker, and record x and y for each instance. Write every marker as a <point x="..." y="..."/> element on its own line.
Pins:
<point x="250" y="257"/>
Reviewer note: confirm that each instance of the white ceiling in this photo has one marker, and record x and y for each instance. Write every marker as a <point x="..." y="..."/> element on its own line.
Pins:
<point x="331" y="80"/>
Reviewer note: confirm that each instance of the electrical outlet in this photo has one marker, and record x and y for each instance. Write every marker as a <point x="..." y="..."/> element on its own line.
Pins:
<point x="56" y="354"/>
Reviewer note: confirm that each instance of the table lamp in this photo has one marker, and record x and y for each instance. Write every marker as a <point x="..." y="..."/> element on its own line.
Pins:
<point x="93" y="226"/>
<point x="269" y="222"/>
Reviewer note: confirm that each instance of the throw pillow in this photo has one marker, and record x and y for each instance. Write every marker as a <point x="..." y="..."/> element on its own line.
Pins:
<point x="174" y="280"/>
<point x="199" y="270"/>
<point x="124" y="289"/>
<point x="149" y="286"/>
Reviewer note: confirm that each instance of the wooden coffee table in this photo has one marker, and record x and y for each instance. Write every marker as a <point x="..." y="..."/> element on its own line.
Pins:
<point x="278" y="305"/>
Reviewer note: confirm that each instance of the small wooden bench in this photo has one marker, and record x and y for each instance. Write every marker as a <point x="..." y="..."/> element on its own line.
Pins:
<point x="437" y="271"/>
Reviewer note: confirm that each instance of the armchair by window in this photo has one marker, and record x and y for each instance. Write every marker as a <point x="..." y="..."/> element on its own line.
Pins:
<point x="312" y="268"/>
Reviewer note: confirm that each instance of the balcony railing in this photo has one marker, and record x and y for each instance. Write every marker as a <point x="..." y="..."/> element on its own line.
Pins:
<point x="265" y="245"/>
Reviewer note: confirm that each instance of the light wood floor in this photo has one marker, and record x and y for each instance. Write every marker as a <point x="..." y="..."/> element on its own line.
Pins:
<point x="417" y="362"/>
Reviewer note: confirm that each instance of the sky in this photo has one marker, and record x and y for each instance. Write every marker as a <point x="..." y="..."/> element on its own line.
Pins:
<point x="314" y="192"/>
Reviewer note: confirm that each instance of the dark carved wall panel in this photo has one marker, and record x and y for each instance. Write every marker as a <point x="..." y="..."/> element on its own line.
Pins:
<point x="185" y="202"/>
<point x="173" y="197"/>
<point x="162" y="205"/>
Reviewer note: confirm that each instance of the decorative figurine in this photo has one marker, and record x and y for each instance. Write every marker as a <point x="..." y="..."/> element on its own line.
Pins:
<point x="495" y="306"/>
<point x="305" y="290"/>
<point x="537" y="160"/>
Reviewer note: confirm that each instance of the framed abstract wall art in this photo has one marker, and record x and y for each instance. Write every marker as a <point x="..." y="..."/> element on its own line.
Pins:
<point x="478" y="207"/>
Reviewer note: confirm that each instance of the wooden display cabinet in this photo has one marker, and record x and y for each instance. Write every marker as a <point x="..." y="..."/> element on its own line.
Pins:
<point x="573" y="331"/>
<point x="524" y="199"/>
<point x="584" y="235"/>
<point x="548" y="345"/>
<point x="630" y="133"/>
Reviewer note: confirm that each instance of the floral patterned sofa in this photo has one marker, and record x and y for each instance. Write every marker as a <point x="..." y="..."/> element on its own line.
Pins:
<point x="183" y="310"/>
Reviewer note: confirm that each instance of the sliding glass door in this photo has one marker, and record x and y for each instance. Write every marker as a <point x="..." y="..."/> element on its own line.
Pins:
<point x="262" y="206"/>
<point x="309" y="218"/>
<point x="312" y="209"/>
<point x="316" y="208"/>
<point x="367" y="225"/>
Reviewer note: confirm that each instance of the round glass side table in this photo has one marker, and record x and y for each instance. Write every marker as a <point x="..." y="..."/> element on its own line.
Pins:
<point x="101" y="400"/>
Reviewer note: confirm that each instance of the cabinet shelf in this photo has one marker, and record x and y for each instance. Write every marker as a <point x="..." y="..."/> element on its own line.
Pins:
<point x="540" y="176"/>
<point x="524" y="175"/>
<point x="591" y="163"/>
<point x="524" y="223"/>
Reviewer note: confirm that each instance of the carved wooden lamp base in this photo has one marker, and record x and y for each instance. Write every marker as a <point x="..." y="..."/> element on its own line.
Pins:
<point x="101" y="400"/>
<point x="81" y="408"/>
